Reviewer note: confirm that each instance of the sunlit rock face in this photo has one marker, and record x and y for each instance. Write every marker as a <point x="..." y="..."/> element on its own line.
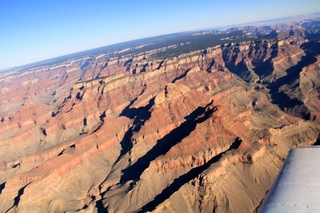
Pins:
<point x="201" y="131"/>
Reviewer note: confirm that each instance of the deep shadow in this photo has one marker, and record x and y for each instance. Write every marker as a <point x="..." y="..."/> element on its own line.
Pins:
<point x="160" y="65"/>
<point x="265" y="68"/>
<point x="104" y="66"/>
<point x="315" y="144"/>
<point x="210" y="66"/>
<point x="129" y="61"/>
<point x="313" y="30"/>
<point x="73" y="146"/>
<point x="17" y="198"/>
<point x="86" y="64"/>
<point x="134" y="112"/>
<point x="230" y="64"/>
<point x="102" y="116"/>
<point x="79" y="96"/>
<point x="15" y="165"/>
<point x="163" y="145"/>
<point x="140" y="116"/>
<point x="100" y="207"/>
<point x="240" y="69"/>
<point x="203" y="58"/>
<point x="144" y="68"/>
<point x="181" y="76"/>
<point x="262" y="68"/>
<point x="183" y="179"/>
<point x="97" y="76"/>
<point x="2" y="186"/>
<point x="128" y="64"/>
<point x="293" y="74"/>
<point x="43" y="130"/>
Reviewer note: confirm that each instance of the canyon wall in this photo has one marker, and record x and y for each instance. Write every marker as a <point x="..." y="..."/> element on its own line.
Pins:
<point x="204" y="131"/>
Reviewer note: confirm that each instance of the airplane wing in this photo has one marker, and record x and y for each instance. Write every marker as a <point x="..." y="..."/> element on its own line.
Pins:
<point x="297" y="187"/>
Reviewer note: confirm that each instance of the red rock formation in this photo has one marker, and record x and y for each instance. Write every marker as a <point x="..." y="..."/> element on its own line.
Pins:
<point x="139" y="133"/>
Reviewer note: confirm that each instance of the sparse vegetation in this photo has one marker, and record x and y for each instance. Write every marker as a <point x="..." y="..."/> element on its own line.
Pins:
<point x="174" y="44"/>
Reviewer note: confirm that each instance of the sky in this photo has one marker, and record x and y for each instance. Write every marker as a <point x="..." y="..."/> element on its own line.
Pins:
<point x="34" y="30"/>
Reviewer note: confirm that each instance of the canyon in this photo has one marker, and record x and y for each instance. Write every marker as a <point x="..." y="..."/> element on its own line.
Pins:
<point x="160" y="126"/>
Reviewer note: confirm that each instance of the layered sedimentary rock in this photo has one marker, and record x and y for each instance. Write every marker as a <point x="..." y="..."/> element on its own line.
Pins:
<point x="203" y="131"/>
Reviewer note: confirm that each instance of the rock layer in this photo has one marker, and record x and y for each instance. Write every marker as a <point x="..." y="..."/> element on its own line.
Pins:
<point x="203" y="131"/>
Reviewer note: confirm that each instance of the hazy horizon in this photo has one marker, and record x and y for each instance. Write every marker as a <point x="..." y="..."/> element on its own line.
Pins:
<point x="34" y="31"/>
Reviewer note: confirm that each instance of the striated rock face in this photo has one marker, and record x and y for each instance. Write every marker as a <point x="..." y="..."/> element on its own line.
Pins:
<point x="203" y="131"/>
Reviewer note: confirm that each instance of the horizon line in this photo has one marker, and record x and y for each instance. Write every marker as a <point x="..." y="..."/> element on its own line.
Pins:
<point x="222" y="28"/>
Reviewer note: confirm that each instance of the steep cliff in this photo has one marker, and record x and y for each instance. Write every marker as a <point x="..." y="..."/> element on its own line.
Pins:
<point x="202" y="131"/>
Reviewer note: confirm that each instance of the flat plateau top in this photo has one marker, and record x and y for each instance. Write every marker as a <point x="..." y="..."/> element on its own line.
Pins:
<point x="297" y="187"/>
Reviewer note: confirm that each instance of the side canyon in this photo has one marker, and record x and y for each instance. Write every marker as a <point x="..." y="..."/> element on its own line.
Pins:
<point x="205" y="130"/>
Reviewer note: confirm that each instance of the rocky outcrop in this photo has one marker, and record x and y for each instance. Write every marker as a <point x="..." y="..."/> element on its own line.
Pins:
<point x="136" y="133"/>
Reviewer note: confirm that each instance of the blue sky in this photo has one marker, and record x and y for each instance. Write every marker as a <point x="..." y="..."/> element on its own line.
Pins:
<point x="33" y="30"/>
